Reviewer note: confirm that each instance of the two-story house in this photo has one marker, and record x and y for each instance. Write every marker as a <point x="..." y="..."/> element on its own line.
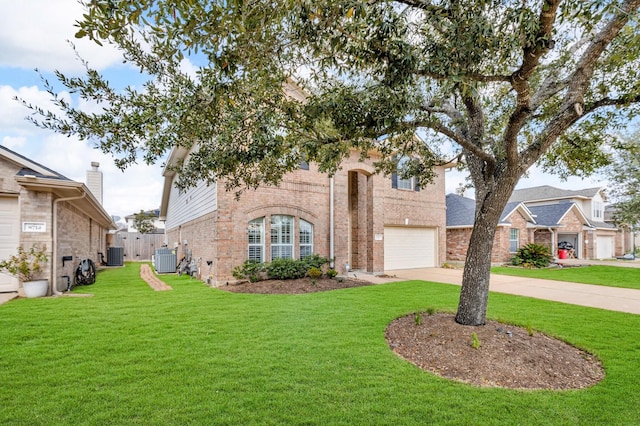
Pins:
<point x="154" y="215"/>
<point x="363" y="220"/>
<point x="557" y="218"/>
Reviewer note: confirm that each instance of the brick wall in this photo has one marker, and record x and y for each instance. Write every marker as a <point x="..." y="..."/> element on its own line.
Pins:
<point x="457" y="240"/>
<point x="364" y="203"/>
<point x="78" y="236"/>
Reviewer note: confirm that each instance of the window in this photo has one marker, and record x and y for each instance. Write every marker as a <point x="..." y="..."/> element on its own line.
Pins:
<point x="281" y="237"/>
<point x="598" y="208"/>
<point x="410" y="184"/>
<point x="513" y="240"/>
<point x="255" y="235"/>
<point x="306" y="239"/>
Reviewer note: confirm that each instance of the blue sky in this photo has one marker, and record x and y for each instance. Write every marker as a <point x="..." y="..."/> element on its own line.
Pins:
<point x="34" y="34"/>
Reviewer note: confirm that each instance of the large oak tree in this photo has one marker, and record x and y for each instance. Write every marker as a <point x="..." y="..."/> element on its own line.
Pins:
<point x="500" y="84"/>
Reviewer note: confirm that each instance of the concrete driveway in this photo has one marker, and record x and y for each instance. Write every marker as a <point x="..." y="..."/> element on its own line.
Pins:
<point x="595" y="296"/>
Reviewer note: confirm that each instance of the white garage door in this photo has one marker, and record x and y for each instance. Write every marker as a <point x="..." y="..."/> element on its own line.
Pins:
<point x="604" y="247"/>
<point x="9" y="238"/>
<point x="406" y="248"/>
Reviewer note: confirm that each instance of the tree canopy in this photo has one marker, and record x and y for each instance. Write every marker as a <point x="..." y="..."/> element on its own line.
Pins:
<point x="624" y="175"/>
<point x="499" y="84"/>
<point x="144" y="222"/>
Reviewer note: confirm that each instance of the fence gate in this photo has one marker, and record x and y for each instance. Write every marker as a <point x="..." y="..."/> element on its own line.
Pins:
<point x="137" y="246"/>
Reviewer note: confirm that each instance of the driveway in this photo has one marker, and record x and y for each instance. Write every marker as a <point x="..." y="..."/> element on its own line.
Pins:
<point x="595" y="296"/>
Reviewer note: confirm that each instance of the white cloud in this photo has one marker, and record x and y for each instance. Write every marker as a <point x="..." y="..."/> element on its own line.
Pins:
<point x="138" y="188"/>
<point x="34" y="34"/>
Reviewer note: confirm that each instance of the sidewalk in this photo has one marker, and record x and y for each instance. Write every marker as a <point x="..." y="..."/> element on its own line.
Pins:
<point x="595" y="296"/>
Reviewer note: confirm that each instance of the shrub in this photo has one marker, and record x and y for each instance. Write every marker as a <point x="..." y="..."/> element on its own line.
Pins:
<point x="314" y="272"/>
<point x="280" y="269"/>
<point x="287" y="269"/>
<point x="27" y="264"/>
<point x="315" y="261"/>
<point x="532" y="256"/>
<point x="250" y="269"/>
<point x="332" y="273"/>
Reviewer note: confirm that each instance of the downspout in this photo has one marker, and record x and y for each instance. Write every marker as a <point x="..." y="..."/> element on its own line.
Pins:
<point x="331" y="223"/>
<point x="54" y="272"/>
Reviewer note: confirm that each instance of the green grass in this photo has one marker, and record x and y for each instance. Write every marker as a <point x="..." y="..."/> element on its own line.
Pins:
<point x="196" y="355"/>
<point x="611" y="276"/>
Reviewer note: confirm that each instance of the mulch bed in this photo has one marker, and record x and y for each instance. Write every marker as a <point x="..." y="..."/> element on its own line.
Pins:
<point x="296" y="286"/>
<point x="508" y="356"/>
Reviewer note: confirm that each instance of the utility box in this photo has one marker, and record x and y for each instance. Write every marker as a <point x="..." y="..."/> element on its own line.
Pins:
<point x="165" y="261"/>
<point x="115" y="256"/>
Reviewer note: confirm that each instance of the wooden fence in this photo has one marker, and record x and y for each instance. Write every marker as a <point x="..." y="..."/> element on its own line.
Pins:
<point x="137" y="247"/>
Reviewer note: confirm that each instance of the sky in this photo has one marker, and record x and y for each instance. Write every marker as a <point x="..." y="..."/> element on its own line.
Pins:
<point x="35" y="34"/>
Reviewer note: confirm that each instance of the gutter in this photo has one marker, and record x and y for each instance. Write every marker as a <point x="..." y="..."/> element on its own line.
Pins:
<point x="54" y="270"/>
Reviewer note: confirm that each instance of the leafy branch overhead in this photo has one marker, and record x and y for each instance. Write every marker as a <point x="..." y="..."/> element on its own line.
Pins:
<point x="498" y="84"/>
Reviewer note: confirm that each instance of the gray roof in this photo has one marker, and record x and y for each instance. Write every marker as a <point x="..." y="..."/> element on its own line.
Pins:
<point x="606" y="225"/>
<point x="546" y="192"/>
<point x="461" y="210"/>
<point x="550" y="214"/>
<point x="29" y="165"/>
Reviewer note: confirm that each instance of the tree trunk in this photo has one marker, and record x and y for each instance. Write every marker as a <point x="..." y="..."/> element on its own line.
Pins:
<point x="474" y="295"/>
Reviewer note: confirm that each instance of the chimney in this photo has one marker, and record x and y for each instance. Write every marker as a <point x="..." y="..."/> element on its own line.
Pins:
<point x="94" y="181"/>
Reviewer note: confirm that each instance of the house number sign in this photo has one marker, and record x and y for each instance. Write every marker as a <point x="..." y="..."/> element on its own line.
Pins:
<point x="34" y="227"/>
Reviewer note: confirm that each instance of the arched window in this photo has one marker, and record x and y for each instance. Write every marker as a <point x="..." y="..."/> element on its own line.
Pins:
<point x="255" y="235"/>
<point x="281" y="237"/>
<point x="306" y="239"/>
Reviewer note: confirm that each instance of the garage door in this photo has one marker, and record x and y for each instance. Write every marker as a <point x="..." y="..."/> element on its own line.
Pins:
<point x="9" y="238"/>
<point x="406" y="248"/>
<point x="604" y="247"/>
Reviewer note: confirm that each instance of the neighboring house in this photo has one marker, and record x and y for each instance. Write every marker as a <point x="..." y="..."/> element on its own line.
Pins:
<point x="39" y="205"/>
<point x="595" y="239"/>
<point x="511" y="233"/>
<point x="157" y="223"/>
<point x="628" y="239"/>
<point x="544" y="215"/>
<point x="364" y="220"/>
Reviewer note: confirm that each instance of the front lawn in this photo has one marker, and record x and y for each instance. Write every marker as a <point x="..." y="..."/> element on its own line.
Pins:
<point x="196" y="355"/>
<point x="612" y="276"/>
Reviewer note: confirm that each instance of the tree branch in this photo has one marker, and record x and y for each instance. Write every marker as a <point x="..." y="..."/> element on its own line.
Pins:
<point x="572" y="107"/>
<point x="520" y="78"/>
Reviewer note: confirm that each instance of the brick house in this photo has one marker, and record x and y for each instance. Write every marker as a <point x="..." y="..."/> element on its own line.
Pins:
<point x="39" y="205"/>
<point x="596" y="238"/>
<point x="512" y="231"/>
<point x="545" y="215"/>
<point x="364" y="220"/>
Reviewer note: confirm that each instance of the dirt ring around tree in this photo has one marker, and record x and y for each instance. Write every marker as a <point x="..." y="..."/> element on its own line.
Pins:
<point x="507" y="356"/>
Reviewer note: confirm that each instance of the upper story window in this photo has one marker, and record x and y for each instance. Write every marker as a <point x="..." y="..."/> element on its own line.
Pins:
<point x="598" y="210"/>
<point x="397" y="181"/>
<point x="281" y="237"/>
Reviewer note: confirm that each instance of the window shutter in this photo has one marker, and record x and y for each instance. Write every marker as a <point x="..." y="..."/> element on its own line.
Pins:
<point x="417" y="184"/>
<point x="394" y="180"/>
